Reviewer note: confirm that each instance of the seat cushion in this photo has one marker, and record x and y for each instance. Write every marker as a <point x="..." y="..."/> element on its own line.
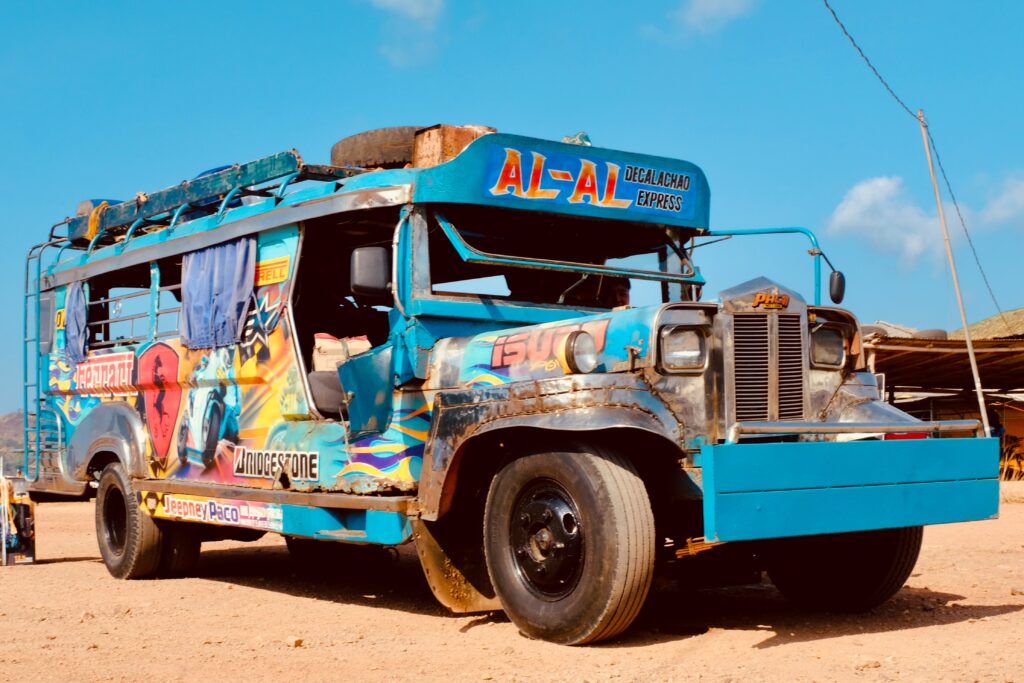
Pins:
<point x="327" y="392"/>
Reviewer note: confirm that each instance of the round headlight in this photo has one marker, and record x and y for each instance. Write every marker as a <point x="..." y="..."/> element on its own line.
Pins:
<point x="682" y="348"/>
<point x="828" y="347"/>
<point x="579" y="352"/>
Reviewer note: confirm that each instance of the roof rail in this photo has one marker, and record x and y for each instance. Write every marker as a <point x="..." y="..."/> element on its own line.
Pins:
<point x="102" y="224"/>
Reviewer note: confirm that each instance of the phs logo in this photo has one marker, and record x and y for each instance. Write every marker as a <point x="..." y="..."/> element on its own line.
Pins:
<point x="771" y="302"/>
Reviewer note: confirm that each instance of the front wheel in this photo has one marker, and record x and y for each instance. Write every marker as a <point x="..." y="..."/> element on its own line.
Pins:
<point x="569" y="542"/>
<point x="851" y="572"/>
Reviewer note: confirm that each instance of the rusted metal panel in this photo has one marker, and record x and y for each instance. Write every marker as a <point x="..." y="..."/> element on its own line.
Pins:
<point x="323" y="500"/>
<point x="441" y="143"/>
<point x="578" y="403"/>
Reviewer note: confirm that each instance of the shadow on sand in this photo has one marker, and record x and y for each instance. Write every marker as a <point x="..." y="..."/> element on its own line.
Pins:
<point x="674" y="614"/>
<point x="394" y="580"/>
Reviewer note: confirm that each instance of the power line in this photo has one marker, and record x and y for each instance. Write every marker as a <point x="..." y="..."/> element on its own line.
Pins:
<point x="938" y="159"/>
<point x="963" y="224"/>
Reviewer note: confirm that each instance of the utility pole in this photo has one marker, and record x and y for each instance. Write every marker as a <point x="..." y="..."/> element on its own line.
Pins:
<point x="952" y="270"/>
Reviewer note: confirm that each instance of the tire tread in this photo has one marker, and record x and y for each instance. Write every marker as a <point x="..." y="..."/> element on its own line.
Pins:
<point x="143" y="538"/>
<point x="630" y="521"/>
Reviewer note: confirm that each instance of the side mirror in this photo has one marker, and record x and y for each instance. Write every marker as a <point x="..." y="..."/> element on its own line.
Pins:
<point x="371" y="274"/>
<point x="837" y="286"/>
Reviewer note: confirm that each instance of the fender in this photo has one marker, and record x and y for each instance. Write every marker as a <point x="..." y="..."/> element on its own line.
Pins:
<point x="115" y="427"/>
<point x="579" y="403"/>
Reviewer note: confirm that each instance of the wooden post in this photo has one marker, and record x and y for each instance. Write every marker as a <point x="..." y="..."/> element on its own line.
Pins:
<point x="952" y="270"/>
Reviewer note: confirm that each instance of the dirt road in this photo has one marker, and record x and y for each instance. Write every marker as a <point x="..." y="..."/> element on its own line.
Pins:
<point x="961" y="617"/>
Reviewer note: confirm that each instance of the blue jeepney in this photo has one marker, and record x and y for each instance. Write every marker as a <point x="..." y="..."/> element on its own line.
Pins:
<point x="443" y="344"/>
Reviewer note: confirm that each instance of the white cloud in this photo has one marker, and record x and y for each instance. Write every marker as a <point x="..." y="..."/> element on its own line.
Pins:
<point x="879" y="210"/>
<point x="708" y="16"/>
<point x="1007" y="204"/>
<point x="425" y="12"/>
<point x="410" y="35"/>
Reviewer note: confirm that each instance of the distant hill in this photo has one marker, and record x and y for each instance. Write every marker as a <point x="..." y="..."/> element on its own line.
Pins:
<point x="10" y="432"/>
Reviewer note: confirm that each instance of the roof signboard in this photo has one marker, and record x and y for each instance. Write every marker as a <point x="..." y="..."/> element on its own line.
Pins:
<point x="527" y="173"/>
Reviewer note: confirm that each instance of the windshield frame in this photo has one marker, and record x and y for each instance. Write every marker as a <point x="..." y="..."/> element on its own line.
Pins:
<point x="413" y="284"/>
<point x="470" y="254"/>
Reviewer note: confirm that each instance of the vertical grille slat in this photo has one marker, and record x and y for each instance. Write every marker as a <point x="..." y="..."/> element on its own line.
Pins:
<point x="750" y="353"/>
<point x="753" y="361"/>
<point x="791" y="367"/>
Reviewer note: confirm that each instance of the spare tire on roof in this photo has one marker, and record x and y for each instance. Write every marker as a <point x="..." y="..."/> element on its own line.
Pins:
<point x="930" y="334"/>
<point x="379" y="148"/>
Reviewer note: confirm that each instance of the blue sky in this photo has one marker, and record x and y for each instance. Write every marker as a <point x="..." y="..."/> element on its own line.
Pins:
<point x="106" y="99"/>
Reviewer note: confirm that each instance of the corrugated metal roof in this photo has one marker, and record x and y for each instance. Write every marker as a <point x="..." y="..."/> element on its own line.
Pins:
<point x="936" y="365"/>
<point x="1008" y="325"/>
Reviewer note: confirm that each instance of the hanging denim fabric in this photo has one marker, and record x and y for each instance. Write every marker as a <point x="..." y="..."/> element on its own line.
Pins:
<point x="217" y="284"/>
<point x="76" y="330"/>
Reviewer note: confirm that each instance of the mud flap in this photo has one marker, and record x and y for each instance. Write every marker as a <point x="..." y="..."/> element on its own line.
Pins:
<point x="454" y="565"/>
<point x="754" y="491"/>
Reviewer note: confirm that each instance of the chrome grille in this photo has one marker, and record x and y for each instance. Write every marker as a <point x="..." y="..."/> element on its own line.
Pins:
<point x="750" y="363"/>
<point x="791" y="368"/>
<point x="768" y="380"/>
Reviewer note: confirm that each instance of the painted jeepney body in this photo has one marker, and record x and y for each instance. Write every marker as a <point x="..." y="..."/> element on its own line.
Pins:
<point x="759" y="447"/>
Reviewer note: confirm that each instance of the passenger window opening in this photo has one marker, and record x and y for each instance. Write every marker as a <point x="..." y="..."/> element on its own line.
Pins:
<point x="168" y="304"/>
<point x="119" y="307"/>
<point x="331" y="324"/>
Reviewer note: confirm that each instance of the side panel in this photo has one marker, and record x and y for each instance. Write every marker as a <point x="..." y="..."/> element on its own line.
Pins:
<point x="210" y="415"/>
<point x="754" y="491"/>
<point x="576" y="403"/>
<point x="356" y="526"/>
<point x="532" y="353"/>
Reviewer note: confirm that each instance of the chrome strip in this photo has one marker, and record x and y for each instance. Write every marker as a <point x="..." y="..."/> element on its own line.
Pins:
<point x="849" y="428"/>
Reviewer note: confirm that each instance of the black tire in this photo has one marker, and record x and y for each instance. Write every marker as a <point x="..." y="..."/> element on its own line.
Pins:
<point x="569" y="540"/>
<point x="852" y="572"/>
<point x="130" y="540"/>
<point x="181" y="547"/>
<point x="380" y="148"/>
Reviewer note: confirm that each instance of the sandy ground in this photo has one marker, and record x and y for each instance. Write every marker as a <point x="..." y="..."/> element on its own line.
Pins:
<point x="961" y="617"/>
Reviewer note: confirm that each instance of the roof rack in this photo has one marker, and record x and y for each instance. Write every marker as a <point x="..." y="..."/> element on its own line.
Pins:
<point x="213" y="192"/>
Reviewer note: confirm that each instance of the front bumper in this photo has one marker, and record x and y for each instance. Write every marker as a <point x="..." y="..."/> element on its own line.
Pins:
<point x="774" y="490"/>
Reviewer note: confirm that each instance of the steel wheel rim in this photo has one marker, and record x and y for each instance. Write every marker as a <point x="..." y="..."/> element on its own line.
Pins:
<point x="546" y="540"/>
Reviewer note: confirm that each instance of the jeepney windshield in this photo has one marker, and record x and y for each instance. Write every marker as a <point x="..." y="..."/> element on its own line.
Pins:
<point x="548" y="259"/>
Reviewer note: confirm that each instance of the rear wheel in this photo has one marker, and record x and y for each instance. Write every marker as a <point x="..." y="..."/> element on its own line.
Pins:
<point x="844" y="572"/>
<point x="181" y="546"/>
<point x="129" y="540"/>
<point x="569" y="541"/>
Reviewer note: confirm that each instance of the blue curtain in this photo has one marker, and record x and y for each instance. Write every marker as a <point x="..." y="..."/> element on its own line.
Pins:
<point x="216" y="285"/>
<point x="76" y="331"/>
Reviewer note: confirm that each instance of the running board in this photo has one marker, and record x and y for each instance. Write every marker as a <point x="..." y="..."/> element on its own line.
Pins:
<point x="346" y="501"/>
